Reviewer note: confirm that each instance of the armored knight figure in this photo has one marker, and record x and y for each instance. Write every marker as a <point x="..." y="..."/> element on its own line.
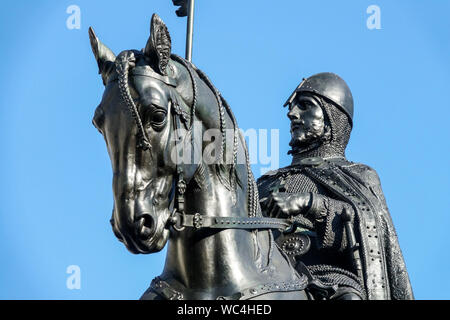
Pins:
<point x="344" y="237"/>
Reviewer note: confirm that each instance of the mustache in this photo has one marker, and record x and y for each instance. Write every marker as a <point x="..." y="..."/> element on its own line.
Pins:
<point x="297" y="124"/>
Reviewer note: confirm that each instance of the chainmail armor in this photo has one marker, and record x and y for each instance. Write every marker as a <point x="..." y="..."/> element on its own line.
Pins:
<point x="334" y="145"/>
<point x="357" y="189"/>
<point x="338" y="140"/>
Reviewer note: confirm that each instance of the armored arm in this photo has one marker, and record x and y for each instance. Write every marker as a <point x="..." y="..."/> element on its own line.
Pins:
<point x="319" y="212"/>
<point x="329" y="220"/>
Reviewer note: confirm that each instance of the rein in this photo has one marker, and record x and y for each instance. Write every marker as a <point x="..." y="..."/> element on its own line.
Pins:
<point x="179" y="219"/>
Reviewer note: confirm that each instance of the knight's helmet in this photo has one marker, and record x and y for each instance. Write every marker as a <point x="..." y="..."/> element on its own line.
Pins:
<point x="328" y="85"/>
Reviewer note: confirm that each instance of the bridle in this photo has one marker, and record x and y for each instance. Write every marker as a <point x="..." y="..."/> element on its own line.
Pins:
<point x="179" y="219"/>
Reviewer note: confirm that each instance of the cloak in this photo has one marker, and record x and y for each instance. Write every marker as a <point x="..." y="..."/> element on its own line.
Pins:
<point x="384" y="269"/>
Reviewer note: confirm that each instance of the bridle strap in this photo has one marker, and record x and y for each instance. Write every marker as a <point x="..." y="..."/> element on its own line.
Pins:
<point x="180" y="183"/>
<point x="180" y="220"/>
<point x="123" y="61"/>
<point x="198" y="221"/>
<point x="146" y="71"/>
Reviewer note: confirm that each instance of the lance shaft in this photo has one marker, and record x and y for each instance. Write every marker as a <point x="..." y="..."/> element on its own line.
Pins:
<point x="190" y="30"/>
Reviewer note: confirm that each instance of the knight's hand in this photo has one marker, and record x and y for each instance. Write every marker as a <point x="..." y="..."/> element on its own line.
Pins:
<point x="281" y="204"/>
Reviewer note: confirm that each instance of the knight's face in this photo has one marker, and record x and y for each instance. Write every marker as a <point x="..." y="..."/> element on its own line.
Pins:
<point x="307" y="121"/>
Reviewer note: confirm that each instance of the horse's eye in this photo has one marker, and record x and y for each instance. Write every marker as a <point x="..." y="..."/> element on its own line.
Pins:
<point x="158" y="117"/>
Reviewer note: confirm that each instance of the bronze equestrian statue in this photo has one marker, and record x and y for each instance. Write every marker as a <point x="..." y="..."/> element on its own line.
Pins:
<point x="219" y="244"/>
<point x="345" y="237"/>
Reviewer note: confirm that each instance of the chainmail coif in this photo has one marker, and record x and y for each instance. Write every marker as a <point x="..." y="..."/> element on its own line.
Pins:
<point x="339" y="124"/>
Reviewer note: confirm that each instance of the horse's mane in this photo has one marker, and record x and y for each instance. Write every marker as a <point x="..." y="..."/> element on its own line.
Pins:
<point x="227" y="173"/>
<point x="229" y="177"/>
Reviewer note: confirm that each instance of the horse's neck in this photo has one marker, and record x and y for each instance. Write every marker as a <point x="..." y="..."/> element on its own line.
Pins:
<point x="216" y="258"/>
<point x="205" y="258"/>
<point x="215" y="191"/>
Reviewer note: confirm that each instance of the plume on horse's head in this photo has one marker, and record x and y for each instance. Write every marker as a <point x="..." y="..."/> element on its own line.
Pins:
<point x="156" y="52"/>
<point x="159" y="45"/>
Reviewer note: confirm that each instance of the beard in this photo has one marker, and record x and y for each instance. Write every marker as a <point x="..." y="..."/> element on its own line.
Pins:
<point x="302" y="138"/>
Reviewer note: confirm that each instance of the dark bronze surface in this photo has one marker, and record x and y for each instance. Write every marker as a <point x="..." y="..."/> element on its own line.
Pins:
<point x="150" y="95"/>
<point x="330" y="86"/>
<point x="337" y="204"/>
<point x="325" y="215"/>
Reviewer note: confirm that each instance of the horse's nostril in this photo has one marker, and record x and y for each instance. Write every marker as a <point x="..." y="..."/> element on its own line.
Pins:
<point x="148" y="221"/>
<point x="146" y="225"/>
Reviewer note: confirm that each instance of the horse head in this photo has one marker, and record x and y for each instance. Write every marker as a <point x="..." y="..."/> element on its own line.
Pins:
<point x="147" y="116"/>
<point x="135" y="119"/>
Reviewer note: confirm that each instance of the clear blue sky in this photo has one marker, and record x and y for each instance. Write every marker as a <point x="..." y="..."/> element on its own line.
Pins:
<point x="55" y="190"/>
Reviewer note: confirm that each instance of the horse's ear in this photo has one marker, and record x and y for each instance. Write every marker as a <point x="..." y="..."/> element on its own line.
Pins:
<point x="159" y="44"/>
<point x="104" y="56"/>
